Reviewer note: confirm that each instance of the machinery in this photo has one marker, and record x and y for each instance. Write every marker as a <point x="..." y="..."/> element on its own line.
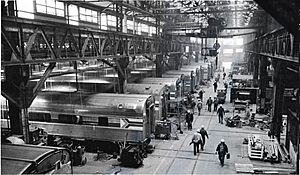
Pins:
<point x="163" y="128"/>
<point x="263" y="149"/>
<point x="221" y="95"/>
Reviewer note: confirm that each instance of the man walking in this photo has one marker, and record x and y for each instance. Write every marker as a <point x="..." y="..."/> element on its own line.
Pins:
<point x="196" y="140"/>
<point x="189" y="119"/>
<point x="216" y="102"/>
<point x="221" y="113"/>
<point x="215" y="86"/>
<point x="222" y="150"/>
<point x="199" y="106"/>
<point x="201" y="92"/>
<point x="209" y="103"/>
<point x="203" y="133"/>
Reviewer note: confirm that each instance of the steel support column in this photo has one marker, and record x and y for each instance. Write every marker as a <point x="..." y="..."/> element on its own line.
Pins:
<point x="158" y="63"/>
<point x="277" y="103"/>
<point x="263" y="81"/>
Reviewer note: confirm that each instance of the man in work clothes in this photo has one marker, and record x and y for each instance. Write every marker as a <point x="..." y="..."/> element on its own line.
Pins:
<point x="189" y="119"/>
<point x="196" y="140"/>
<point x="209" y="103"/>
<point x="215" y="86"/>
<point x="203" y="133"/>
<point x="199" y="106"/>
<point x="221" y="113"/>
<point x="222" y="150"/>
<point x="201" y="92"/>
<point x="216" y="102"/>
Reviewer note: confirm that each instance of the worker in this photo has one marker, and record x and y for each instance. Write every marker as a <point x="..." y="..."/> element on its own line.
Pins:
<point x="203" y="133"/>
<point x="196" y="140"/>
<point x="193" y="104"/>
<point x="222" y="150"/>
<point x="199" y="106"/>
<point x="209" y="103"/>
<point x="221" y="113"/>
<point x="189" y="119"/>
<point x="215" y="86"/>
<point x="224" y="75"/>
<point x="200" y="93"/>
<point x="216" y="102"/>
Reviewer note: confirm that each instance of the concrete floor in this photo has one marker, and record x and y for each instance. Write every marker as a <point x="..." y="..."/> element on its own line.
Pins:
<point x="176" y="156"/>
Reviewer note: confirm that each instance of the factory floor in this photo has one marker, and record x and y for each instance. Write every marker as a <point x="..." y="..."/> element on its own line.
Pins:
<point x="176" y="156"/>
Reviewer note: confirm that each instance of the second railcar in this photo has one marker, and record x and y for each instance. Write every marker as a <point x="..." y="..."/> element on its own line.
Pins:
<point x="160" y="93"/>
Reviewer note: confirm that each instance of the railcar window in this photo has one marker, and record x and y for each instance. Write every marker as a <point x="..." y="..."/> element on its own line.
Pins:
<point x="51" y="7"/>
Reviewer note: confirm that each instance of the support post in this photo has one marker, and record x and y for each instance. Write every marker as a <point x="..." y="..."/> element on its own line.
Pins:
<point x="280" y="72"/>
<point x="158" y="63"/>
<point x="263" y="81"/>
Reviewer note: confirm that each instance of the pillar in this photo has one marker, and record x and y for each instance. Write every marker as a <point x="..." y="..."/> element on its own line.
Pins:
<point x="277" y="101"/>
<point x="263" y="80"/>
<point x="122" y="74"/>
<point x="159" y="66"/>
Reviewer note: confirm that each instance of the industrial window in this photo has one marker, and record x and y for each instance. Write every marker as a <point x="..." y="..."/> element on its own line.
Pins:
<point x="111" y="20"/>
<point x="88" y="15"/>
<point x="25" y="9"/>
<point x="73" y="14"/>
<point x="152" y="30"/>
<point x="129" y="24"/>
<point x="138" y="28"/>
<point x="145" y="28"/>
<point x="228" y="51"/>
<point x="238" y="50"/>
<point x="231" y="41"/>
<point x="51" y="7"/>
<point x="103" y="21"/>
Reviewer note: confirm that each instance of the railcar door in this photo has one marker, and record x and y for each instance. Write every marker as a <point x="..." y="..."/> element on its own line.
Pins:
<point x="149" y="118"/>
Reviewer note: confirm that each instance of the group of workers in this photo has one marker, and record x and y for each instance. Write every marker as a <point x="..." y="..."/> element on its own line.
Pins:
<point x="199" y="137"/>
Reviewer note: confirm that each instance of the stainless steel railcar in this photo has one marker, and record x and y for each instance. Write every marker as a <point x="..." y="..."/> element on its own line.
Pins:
<point x="160" y="93"/>
<point x="32" y="159"/>
<point x="172" y="83"/>
<point x="97" y="116"/>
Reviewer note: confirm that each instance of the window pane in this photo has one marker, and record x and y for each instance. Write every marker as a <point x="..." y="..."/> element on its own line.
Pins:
<point x="238" y="50"/>
<point x="51" y="11"/>
<point x="73" y="11"/>
<point x="51" y="3"/>
<point x="41" y="8"/>
<point x="60" y="12"/>
<point x="95" y="20"/>
<point x="94" y="14"/>
<point x="88" y="12"/>
<point x="59" y="5"/>
<point x="228" y="51"/>
<point x="81" y="10"/>
<point x="43" y="2"/>
<point x="89" y="18"/>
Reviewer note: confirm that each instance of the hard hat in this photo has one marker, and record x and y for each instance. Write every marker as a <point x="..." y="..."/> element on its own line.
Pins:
<point x="222" y="140"/>
<point x="198" y="130"/>
<point x="188" y="111"/>
<point x="202" y="126"/>
<point x="221" y="105"/>
<point x="209" y="96"/>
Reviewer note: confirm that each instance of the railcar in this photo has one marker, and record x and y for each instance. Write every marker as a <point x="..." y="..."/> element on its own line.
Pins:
<point x="160" y="93"/>
<point x="97" y="116"/>
<point x="33" y="159"/>
<point x="172" y="83"/>
<point x="186" y="77"/>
